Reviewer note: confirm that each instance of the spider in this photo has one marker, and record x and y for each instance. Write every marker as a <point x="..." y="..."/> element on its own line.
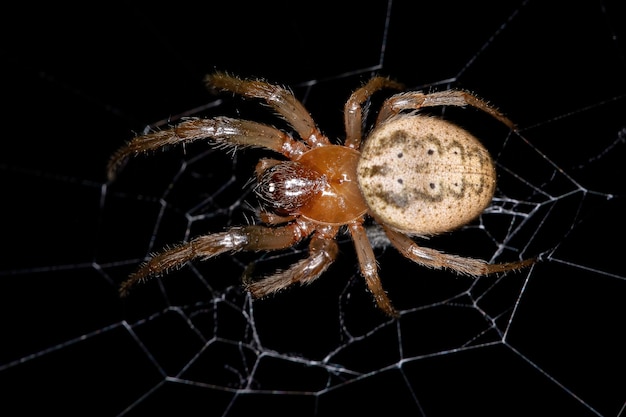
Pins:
<point x="414" y="175"/>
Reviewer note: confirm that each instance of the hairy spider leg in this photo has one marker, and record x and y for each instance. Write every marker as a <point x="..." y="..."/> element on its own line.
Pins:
<point x="234" y="132"/>
<point x="369" y="267"/>
<point x="415" y="100"/>
<point x="247" y="238"/>
<point x="353" y="110"/>
<point x="280" y="99"/>
<point x="225" y="131"/>
<point x="323" y="250"/>
<point x="436" y="259"/>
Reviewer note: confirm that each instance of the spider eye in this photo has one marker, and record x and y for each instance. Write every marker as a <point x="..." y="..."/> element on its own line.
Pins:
<point x="288" y="186"/>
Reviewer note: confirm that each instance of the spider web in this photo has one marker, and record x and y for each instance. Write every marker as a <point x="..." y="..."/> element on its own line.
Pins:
<point x="547" y="340"/>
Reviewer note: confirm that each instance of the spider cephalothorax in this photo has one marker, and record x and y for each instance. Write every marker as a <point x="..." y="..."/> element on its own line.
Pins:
<point x="413" y="174"/>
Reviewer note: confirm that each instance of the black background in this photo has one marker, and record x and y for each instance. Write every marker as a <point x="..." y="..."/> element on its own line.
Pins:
<point x="79" y="81"/>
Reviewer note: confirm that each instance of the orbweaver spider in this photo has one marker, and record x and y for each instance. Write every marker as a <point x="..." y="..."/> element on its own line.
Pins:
<point x="413" y="174"/>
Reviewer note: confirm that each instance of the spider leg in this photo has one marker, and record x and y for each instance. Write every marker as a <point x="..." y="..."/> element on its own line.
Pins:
<point x="416" y="100"/>
<point x="369" y="268"/>
<point x="322" y="252"/>
<point x="223" y="130"/>
<point x="353" y="109"/>
<point x="280" y="99"/>
<point x="435" y="259"/>
<point x="252" y="237"/>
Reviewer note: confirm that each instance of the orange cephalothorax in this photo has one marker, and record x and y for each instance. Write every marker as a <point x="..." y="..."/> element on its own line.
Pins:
<point x="340" y="200"/>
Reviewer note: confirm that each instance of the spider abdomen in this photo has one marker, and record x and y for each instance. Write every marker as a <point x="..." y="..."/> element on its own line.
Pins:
<point x="424" y="175"/>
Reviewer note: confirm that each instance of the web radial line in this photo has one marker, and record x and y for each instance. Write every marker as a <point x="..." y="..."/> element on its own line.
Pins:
<point x="383" y="43"/>
<point x="553" y="380"/>
<point x="490" y="40"/>
<point x="407" y="381"/>
<point x="59" y="346"/>
<point x="142" y="397"/>
<point x="587" y="268"/>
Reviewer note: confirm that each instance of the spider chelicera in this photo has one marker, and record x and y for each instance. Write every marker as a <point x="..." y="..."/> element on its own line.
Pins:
<point x="415" y="175"/>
